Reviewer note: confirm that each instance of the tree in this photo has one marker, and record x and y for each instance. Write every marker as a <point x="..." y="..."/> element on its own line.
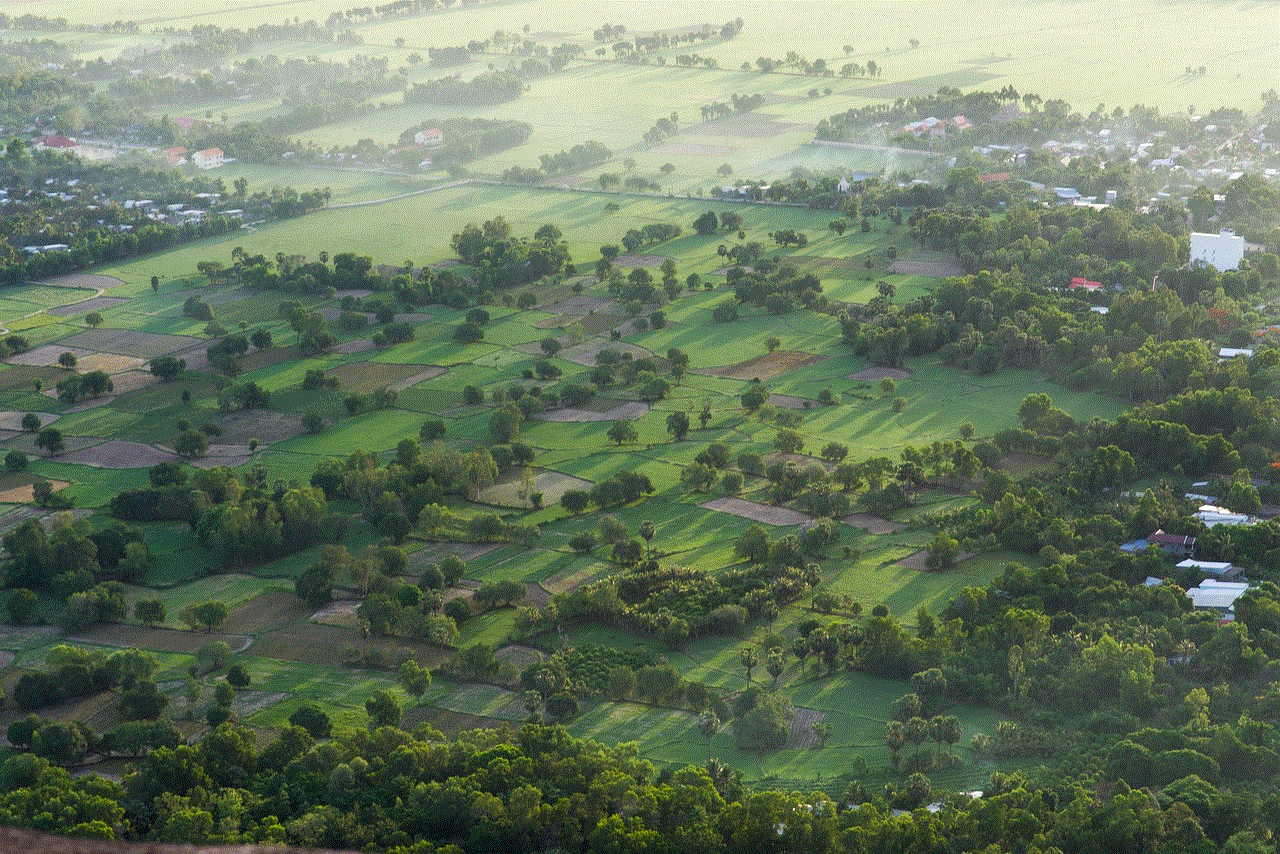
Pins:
<point x="15" y="461"/>
<point x="772" y="343"/>
<point x="31" y="422"/>
<point x="414" y="678"/>
<point x="191" y="445"/>
<point x="754" y="397"/>
<point x="384" y="710"/>
<point x="93" y="319"/>
<point x="67" y="360"/>
<point x="749" y="658"/>
<point x="788" y="442"/>
<point x="706" y="224"/>
<point x="50" y="440"/>
<point x="21" y="605"/>
<point x="698" y="477"/>
<point x="149" y="612"/>
<point x="708" y="726"/>
<point x="238" y="677"/>
<point x="622" y="431"/>
<point x="167" y="367"/>
<point x="678" y="424"/>
<point x="142" y="701"/>
<point x="204" y="616"/>
<point x="313" y="719"/>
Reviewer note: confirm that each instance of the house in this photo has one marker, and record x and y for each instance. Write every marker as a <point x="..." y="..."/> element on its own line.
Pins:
<point x="1220" y="596"/>
<point x="430" y="136"/>
<point x="1081" y="282"/>
<point x="1214" y="516"/>
<point x="1213" y="569"/>
<point x="1223" y="251"/>
<point x="1067" y="194"/>
<point x="176" y="156"/>
<point x="996" y="177"/>
<point x="1225" y="353"/>
<point x="53" y="140"/>
<point x="1172" y="544"/>
<point x="209" y="158"/>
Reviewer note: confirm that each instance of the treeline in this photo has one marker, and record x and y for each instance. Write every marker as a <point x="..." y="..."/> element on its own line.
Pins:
<point x="495" y="87"/>
<point x="467" y="138"/>
<point x="580" y="156"/>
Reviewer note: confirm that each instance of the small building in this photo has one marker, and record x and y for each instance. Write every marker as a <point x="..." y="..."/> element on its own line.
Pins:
<point x="54" y="140"/>
<point x="1067" y="194"/>
<point x="209" y="158"/>
<point x="1225" y="353"/>
<point x="1213" y="516"/>
<point x="1081" y="282"/>
<point x="429" y="136"/>
<point x="1220" y="596"/>
<point x="1176" y="545"/>
<point x="176" y="156"/>
<point x="1213" y="569"/>
<point x="1223" y="251"/>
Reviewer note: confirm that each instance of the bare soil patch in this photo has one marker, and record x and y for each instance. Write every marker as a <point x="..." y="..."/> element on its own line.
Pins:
<point x="47" y="356"/>
<point x="579" y="304"/>
<point x="800" y="731"/>
<point x="22" y="492"/>
<point x="437" y="552"/>
<point x="264" y="425"/>
<point x="364" y="377"/>
<point x="12" y="419"/>
<point x="130" y="342"/>
<point x="24" y="376"/>
<point x="624" y="412"/>
<point x="597" y="324"/>
<point x="339" y="613"/>
<point x="872" y="524"/>
<point x="82" y="280"/>
<point x="223" y="455"/>
<point x="164" y="640"/>
<point x="109" y="363"/>
<point x="449" y="723"/>
<point x="756" y="512"/>
<point x="585" y="354"/>
<point x="552" y="485"/>
<point x="766" y="366"/>
<point x="916" y="561"/>
<point x="270" y="356"/>
<point x="86" y="306"/>
<point x="116" y="454"/>
<point x="869" y="375"/>
<point x="249" y="702"/>
<point x="27" y="442"/>
<point x="639" y="260"/>
<point x="359" y="345"/>
<point x="323" y="644"/>
<point x="6" y="658"/>
<point x="271" y="610"/>
<point x="132" y="381"/>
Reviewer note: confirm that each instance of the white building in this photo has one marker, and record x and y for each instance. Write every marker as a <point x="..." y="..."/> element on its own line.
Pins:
<point x="209" y="158"/>
<point x="1213" y="516"/>
<point x="1222" y="251"/>
<point x="1213" y="569"/>
<point x="1218" y="596"/>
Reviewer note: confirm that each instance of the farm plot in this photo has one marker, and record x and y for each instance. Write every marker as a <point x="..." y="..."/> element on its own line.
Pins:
<point x="86" y="306"/>
<point x="10" y="420"/>
<point x="118" y="454"/>
<point x="511" y="490"/>
<point x="768" y="514"/>
<point x="585" y="354"/>
<point x="130" y="342"/>
<point x="872" y="524"/>
<point x="488" y="701"/>
<point x="766" y="366"/>
<point x="47" y="355"/>
<point x="264" y="425"/>
<point x="17" y="487"/>
<point x="364" y="377"/>
<point x="621" y="412"/>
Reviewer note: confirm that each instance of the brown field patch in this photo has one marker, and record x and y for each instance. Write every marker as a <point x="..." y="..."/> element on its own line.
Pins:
<point x="47" y="355"/>
<point x="579" y="304"/>
<point x="132" y="381"/>
<point x="875" y="374"/>
<point x="552" y="484"/>
<point x="585" y="354"/>
<point x="364" y="377"/>
<point x="130" y="342"/>
<point x="916" y="561"/>
<point x="800" y="731"/>
<point x="17" y="375"/>
<point x="639" y="260"/>
<point x="27" y="442"/>
<point x="264" y="425"/>
<point x="6" y="658"/>
<point x="872" y="524"/>
<point x="273" y="609"/>
<point x="160" y="639"/>
<point x="766" y="366"/>
<point x="340" y="613"/>
<point x="116" y="454"/>
<point x="85" y="307"/>
<point x="756" y="512"/>
<point x="12" y="420"/>
<point x="270" y="356"/>
<point x="437" y="552"/>
<point x="82" y="280"/>
<point x="359" y="345"/>
<point x="22" y="493"/>
<point x="623" y="412"/>
<point x="449" y="723"/>
<point x="322" y="644"/>
<point x="109" y="363"/>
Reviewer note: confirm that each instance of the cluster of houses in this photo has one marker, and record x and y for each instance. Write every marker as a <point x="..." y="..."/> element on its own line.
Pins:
<point x="1223" y="582"/>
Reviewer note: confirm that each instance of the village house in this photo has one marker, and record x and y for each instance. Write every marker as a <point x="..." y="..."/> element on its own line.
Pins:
<point x="430" y="136"/>
<point x="209" y="158"/>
